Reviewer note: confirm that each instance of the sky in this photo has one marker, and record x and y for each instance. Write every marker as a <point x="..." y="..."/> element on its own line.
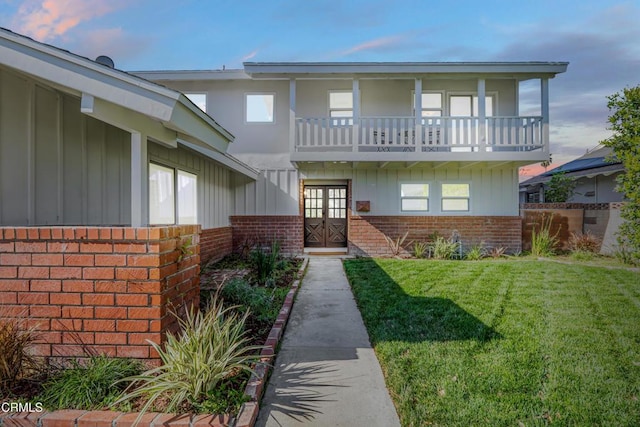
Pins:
<point x="600" y="39"/>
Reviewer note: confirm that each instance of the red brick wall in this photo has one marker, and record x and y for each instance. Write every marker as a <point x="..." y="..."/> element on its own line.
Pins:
<point x="366" y="233"/>
<point x="264" y="229"/>
<point x="215" y="243"/>
<point x="107" y="288"/>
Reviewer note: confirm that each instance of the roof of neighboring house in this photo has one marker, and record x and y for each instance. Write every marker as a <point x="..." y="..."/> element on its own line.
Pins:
<point x="594" y="162"/>
<point x="121" y="99"/>
<point x="276" y="70"/>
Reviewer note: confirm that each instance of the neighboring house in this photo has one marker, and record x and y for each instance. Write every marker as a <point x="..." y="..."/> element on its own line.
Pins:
<point x="352" y="152"/>
<point x="90" y="158"/>
<point x="595" y="174"/>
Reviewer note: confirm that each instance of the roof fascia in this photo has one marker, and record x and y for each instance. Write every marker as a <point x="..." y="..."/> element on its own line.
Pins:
<point x="223" y="158"/>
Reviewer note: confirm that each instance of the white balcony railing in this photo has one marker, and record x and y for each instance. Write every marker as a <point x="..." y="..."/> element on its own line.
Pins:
<point x="430" y="134"/>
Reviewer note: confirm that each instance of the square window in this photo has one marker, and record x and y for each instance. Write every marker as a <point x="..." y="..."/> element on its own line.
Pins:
<point x="414" y="197"/>
<point x="259" y="108"/>
<point x="455" y="197"/>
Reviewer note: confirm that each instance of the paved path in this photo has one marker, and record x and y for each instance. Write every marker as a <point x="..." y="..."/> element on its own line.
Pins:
<point x="326" y="373"/>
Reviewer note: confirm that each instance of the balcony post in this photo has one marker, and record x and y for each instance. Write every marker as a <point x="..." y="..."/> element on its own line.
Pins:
<point x="482" y="115"/>
<point x="292" y="115"/>
<point x="417" y="139"/>
<point x="544" y="109"/>
<point x="356" y="115"/>
<point x="139" y="180"/>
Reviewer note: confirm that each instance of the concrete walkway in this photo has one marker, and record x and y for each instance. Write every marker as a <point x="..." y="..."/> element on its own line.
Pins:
<point x="326" y="373"/>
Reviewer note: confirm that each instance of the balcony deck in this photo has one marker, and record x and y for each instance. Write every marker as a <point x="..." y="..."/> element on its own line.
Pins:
<point x="430" y="139"/>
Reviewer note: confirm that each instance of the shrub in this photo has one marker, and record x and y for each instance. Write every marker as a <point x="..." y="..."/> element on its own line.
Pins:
<point x="94" y="385"/>
<point x="497" y="252"/>
<point x="211" y="348"/>
<point x="420" y="249"/>
<point x="476" y="253"/>
<point x="265" y="262"/>
<point x="543" y="243"/>
<point x="16" y="362"/>
<point x="261" y="302"/>
<point x="581" y="255"/>
<point x="396" y="245"/>
<point x="560" y="188"/>
<point x="584" y="242"/>
<point x="445" y="249"/>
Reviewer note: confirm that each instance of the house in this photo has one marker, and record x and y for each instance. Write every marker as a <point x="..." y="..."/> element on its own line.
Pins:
<point x="113" y="189"/>
<point x="349" y="153"/>
<point x="595" y="174"/>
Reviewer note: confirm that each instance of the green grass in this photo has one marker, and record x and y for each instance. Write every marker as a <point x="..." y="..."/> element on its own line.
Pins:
<point x="504" y="343"/>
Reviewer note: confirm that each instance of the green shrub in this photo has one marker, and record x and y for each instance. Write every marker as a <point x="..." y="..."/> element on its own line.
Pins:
<point x="584" y="242"/>
<point x="476" y="253"/>
<point x="445" y="249"/>
<point x="16" y="362"/>
<point x="543" y="243"/>
<point x="580" y="255"/>
<point x="420" y="249"/>
<point x="94" y="385"/>
<point x="263" y="303"/>
<point x="265" y="262"/>
<point x="212" y="348"/>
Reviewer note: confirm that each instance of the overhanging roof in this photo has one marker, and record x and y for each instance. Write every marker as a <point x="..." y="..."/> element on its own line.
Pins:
<point x="116" y="97"/>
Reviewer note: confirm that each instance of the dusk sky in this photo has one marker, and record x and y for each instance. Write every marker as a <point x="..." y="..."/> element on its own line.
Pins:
<point x="600" y="39"/>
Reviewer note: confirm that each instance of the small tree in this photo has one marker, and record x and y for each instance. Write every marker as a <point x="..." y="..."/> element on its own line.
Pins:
<point x="625" y="142"/>
<point x="560" y="188"/>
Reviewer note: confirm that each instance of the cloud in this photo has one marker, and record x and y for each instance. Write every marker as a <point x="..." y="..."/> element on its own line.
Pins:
<point x="45" y="20"/>
<point x="113" y="42"/>
<point x="250" y="55"/>
<point x="382" y="43"/>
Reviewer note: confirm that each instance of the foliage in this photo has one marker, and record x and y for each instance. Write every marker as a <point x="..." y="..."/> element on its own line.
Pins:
<point x="503" y="343"/>
<point x="445" y="248"/>
<point x="396" y="245"/>
<point x="626" y="255"/>
<point x="476" y="253"/>
<point x="582" y="255"/>
<point x="93" y="385"/>
<point x="584" y="242"/>
<point x="16" y="362"/>
<point x="264" y="304"/>
<point x="560" y="188"/>
<point x="625" y="142"/>
<point x="211" y="348"/>
<point x="497" y="252"/>
<point x="543" y="243"/>
<point x="264" y="263"/>
<point x="420" y="249"/>
<point x="226" y="398"/>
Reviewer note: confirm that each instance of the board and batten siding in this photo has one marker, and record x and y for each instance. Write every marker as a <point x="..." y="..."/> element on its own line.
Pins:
<point x="58" y="166"/>
<point x="215" y="194"/>
<point x="493" y="191"/>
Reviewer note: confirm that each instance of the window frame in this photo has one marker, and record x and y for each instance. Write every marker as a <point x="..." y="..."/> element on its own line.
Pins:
<point x="441" y="110"/>
<point x="175" y="187"/>
<point x="427" y="198"/>
<point x="340" y="120"/>
<point x="443" y="197"/>
<point x="246" y="109"/>
<point x="488" y="94"/>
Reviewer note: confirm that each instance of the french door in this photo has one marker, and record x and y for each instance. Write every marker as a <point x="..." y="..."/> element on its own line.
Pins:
<point x="325" y="216"/>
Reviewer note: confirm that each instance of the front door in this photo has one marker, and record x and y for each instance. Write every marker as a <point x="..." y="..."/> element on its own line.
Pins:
<point x="325" y="216"/>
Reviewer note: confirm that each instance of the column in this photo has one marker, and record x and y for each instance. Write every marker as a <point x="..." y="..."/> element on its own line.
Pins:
<point x="139" y="180"/>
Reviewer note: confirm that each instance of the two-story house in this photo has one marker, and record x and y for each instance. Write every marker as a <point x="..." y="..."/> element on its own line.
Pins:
<point x="352" y="152"/>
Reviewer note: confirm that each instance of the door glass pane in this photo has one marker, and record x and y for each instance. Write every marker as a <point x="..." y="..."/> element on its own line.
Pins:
<point x="161" y="195"/>
<point x="187" y="198"/>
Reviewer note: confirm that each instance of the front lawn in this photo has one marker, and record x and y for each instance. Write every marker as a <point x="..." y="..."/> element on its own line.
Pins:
<point x="504" y="343"/>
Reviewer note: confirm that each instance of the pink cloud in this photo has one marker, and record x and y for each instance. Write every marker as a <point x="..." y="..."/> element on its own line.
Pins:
<point x="46" y="19"/>
<point x="382" y="42"/>
<point x="249" y="55"/>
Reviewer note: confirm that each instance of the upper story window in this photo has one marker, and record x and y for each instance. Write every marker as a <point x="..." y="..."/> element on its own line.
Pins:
<point x="455" y="197"/>
<point x="259" y="107"/>
<point x="414" y="197"/>
<point x="341" y="107"/>
<point x="200" y="99"/>
<point x="172" y="194"/>
<point x="431" y="104"/>
<point x="467" y="105"/>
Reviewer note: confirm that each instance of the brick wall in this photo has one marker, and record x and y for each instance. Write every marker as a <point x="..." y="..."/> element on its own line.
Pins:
<point x="215" y="243"/>
<point x="107" y="288"/>
<point x="264" y="229"/>
<point x="366" y="233"/>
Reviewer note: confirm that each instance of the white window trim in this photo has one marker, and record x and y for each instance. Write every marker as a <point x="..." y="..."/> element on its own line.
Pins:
<point x="442" y="198"/>
<point x="176" y="208"/>
<point x="442" y="109"/>
<point x="329" y="109"/>
<point x="273" y="121"/>
<point x="428" y="198"/>
<point x="492" y="94"/>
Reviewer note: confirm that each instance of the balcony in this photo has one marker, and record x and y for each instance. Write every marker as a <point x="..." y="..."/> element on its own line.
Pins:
<point x="428" y="139"/>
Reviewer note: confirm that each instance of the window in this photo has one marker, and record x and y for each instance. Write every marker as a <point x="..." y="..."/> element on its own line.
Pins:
<point x="414" y="197"/>
<point x="455" y="197"/>
<point x="341" y="107"/>
<point x="200" y="99"/>
<point x="431" y="104"/>
<point x="467" y="106"/>
<point x="164" y="204"/>
<point x="259" y="107"/>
